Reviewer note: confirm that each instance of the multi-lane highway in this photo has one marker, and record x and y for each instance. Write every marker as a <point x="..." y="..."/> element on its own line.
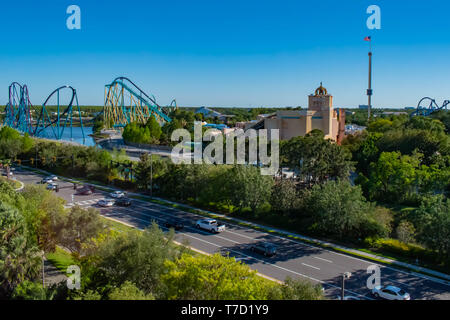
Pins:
<point x="293" y="259"/>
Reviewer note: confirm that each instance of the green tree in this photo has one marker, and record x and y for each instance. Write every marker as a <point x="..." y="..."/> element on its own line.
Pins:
<point x="244" y="186"/>
<point x="315" y="158"/>
<point x="380" y="125"/>
<point x="405" y="231"/>
<point x="128" y="291"/>
<point x="434" y="225"/>
<point x="337" y="208"/>
<point x="28" y="290"/>
<point x="284" y="197"/>
<point x="393" y="177"/>
<point x="80" y="227"/>
<point x="19" y="259"/>
<point x="144" y="172"/>
<point x="212" y="278"/>
<point x="297" y="289"/>
<point x="155" y="128"/>
<point x="11" y="143"/>
<point x="138" y="257"/>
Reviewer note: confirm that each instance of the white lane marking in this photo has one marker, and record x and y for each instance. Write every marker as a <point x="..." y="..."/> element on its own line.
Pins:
<point x="401" y="283"/>
<point x="329" y="261"/>
<point x="310" y="266"/>
<point x="191" y="228"/>
<point x="274" y="265"/>
<point x="262" y="261"/>
<point x="260" y="232"/>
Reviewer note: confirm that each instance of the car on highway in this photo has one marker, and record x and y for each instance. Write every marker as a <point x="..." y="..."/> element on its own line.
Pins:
<point x="52" y="186"/>
<point x="52" y="177"/>
<point x="265" y="248"/>
<point x="390" y="293"/>
<point x="5" y="174"/>
<point x="85" y="190"/>
<point x="117" y="194"/>
<point x="106" y="203"/>
<point x="123" y="202"/>
<point x="210" y="225"/>
<point x="174" y="223"/>
<point x="46" y="180"/>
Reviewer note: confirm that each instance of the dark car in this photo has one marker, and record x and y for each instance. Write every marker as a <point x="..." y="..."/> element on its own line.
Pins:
<point x="174" y="223"/>
<point x="85" y="191"/>
<point x="123" y="202"/>
<point x="264" y="248"/>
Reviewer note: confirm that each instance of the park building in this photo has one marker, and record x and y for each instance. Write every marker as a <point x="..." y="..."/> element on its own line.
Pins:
<point x="320" y="115"/>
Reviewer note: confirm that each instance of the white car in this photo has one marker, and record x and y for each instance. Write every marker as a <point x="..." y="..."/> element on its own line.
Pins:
<point x="210" y="225"/>
<point x="117" y="194"/>
<point x="106" y="203"/>
<point x="53" y="177"/>
<point x="46" y="180"/>
<point x="52" y="186"/>
<point x="390" y="293"/>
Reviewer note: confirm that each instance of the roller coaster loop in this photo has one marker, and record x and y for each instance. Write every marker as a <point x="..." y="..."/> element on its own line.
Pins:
<point x="428" y="105"/>
<point x="18" y="109"/>
<point x="125" y="102"/>
<point x="62" y="120"/>
<point x="19" y="113"/>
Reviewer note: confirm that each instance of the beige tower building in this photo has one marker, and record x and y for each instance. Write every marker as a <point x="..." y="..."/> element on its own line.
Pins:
<point x="319" y="115"/>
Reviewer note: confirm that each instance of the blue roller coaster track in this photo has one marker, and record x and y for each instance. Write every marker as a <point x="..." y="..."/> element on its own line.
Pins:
<point x="428" y="105"/>
<point x="19" y="113"/>
<point x="18" y="109"/>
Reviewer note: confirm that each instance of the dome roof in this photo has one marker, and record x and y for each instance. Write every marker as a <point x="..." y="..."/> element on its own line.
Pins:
<point x="321" y="91"/>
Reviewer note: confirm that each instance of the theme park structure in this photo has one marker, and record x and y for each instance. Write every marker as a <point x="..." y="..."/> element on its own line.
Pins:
<point x="125" y="102"/>
<point x="19" y="113"/>
<point x="18" y="109"/>
<point x="428" y="105"/>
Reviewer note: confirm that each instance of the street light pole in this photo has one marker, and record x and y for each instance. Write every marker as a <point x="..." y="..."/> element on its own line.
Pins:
<point x="43" y="274"/>
<point x="151" y="175"/>
<point x="346" y="275"/>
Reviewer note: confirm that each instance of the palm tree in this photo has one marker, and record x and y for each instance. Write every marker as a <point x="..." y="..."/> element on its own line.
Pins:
<point x="19" y="258"/>
<point x="6" y="164"/>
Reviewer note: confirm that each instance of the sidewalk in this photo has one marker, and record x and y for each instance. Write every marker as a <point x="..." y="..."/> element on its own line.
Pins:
<point x="416" y="270"/>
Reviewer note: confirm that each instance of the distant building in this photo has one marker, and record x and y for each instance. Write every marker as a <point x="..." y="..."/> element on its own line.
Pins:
<point x="319" y="115"/>
<point x="363" y="106"/>
<point x="393" y="113"/>
<point x="353" y="128"/>
<point x="215" y="126"/>
<point x="209" y="113"/>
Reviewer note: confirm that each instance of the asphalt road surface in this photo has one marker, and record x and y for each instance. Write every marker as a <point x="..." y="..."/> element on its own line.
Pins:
<point x="293" y="259"/>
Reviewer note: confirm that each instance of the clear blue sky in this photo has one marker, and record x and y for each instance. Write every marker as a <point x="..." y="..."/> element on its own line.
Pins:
<point x="229" y="52"/>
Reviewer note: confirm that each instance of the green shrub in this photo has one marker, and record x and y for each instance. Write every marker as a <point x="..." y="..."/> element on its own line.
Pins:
<point x="400" y="248"/>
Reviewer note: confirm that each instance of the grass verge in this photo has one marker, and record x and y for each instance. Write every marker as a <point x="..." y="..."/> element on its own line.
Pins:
<point x="61" y="259"/>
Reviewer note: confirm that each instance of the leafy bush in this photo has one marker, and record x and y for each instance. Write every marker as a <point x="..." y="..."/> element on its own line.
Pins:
<point x="400" y="248"/>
